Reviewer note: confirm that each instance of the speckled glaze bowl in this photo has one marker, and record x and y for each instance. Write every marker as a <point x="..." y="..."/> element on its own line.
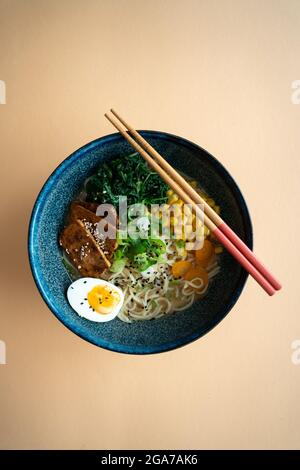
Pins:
<point x="51" y="278"/>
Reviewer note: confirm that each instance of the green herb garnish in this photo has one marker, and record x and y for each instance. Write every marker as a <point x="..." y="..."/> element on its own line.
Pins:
<point x="126" y="176"/>
<point x="141" y="253"/>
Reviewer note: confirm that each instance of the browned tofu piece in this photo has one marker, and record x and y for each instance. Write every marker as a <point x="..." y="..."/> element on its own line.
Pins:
<point x="83" y="251"/>
<point x="87" y="248"/>
<point x="80" y="210"/>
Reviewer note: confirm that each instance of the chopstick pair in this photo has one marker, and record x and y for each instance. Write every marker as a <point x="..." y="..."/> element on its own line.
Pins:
<point x="222" y="232"/>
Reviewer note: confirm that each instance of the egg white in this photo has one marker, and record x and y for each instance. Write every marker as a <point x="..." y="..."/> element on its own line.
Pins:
<point x="78" y="291"/>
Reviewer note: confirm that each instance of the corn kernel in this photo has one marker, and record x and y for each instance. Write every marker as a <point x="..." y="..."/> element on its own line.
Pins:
<point x="198" y="227"/>
<point x="198" y="223"/>
<point x="176" y="209"/>
<point x="187" y="210"/>
<point x="210" y="202"/>
<point x="188" y="229"/>
<point x="182" y="252"/>
<point x="170" y="192"/>
<point x="191" y="220"/>
<point x="180" y="202"/>
<point x="165" y="209"/>
<point x="184" y="220"/>
<point x="200" y="230"/>
<point x="206" y="231"/>
<point x="173" y="199"/>
<point x="218" y="249"/>
<point x="174" y="221"/>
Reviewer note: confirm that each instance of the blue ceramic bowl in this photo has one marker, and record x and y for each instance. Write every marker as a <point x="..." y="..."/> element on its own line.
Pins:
<point x="52" y="280"/>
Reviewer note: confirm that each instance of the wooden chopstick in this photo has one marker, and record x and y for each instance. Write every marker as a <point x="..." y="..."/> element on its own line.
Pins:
<point x="217" y="220"/>
<point x="185" y="196"/>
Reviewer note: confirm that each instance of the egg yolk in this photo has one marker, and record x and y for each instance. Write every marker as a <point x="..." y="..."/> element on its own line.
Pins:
<point x="103" y="299"/>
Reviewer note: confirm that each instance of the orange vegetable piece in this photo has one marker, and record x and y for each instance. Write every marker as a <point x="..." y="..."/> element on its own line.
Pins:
<point x="204" y="254"/>
<point x="180" y="268"/>
<point x="194" y="272"/>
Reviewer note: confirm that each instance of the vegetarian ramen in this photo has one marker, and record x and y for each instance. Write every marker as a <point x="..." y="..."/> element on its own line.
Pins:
<point x="133" y="248"/>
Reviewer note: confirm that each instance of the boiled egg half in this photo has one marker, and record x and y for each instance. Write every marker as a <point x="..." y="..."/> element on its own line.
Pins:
<point x="95" y="299"/>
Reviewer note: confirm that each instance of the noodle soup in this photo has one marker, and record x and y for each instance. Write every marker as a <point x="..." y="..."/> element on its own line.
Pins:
<point x="130" y="229"/>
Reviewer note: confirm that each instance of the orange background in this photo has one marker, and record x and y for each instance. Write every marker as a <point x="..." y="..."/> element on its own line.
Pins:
<point x="218" y="73"/>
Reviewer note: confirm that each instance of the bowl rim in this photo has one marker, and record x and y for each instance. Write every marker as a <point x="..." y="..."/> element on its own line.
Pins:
<point x="45" y="292"/>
